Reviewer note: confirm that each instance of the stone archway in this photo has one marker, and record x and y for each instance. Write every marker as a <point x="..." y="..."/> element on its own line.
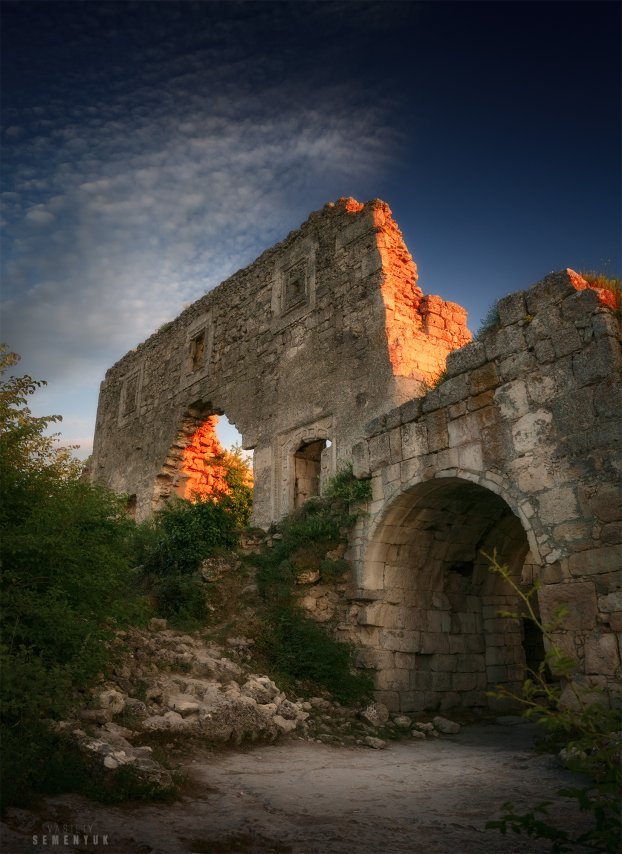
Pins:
<point x="435" y="622"/>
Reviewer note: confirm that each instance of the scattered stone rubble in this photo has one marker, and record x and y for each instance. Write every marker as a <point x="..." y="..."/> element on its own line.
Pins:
<point x="172" y="686"/>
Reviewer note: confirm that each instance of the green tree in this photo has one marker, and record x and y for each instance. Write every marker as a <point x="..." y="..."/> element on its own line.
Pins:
<point x="65" y="580"/>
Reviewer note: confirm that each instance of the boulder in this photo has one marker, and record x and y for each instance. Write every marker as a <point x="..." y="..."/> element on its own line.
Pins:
<point x="375" y="714"/>
<point x="374" y="743"/>
<point x="445" y="726"/>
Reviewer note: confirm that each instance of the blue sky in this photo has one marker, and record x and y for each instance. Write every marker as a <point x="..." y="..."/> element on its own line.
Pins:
<point x="149" y="150"/>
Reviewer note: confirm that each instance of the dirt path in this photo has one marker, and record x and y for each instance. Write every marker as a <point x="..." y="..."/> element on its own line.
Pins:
<point x="308" y="798"/>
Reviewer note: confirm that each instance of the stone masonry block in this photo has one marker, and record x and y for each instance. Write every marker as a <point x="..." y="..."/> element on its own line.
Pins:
<point x="467" y="358"/>
<point x="400" y="640"/>
<point x="484" y="378"/>
<point x="512" y="308"/>
<point x="410" y="410"/>
<point x="598" y="360"/>
<point x="531" y="430"/>
<point x="579" y="599"/>
<point x="512" y="399"/>
<point x="506" y="341"/>
<point x="454" y="389"/>
<point x="438" y="437"/>
<point x="596" y="561"/>
<point x="552" y="289"/>
<point x="580" y="305"/>
<point x="574" y="414"/>
<point x="360" y="459"/>
<point x="517" y="364"/>
<point x="558" y="505"/>
<point x="602" y="655"/>
<point x="379" y="452"/>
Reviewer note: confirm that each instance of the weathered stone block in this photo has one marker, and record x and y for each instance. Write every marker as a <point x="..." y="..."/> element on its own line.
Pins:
<point x="512" y="400"/>
<point x="360" y="460"/>
<point x="531" y="430"/>
<point x="484" y="378"/>
<point x="379" y="452"/>
<point x="596" y="561"/>
<point x="517" y="364"/>
<point x="506" y="341"/>
<point x="579" y="600"/>
<point x="602" y="655"/>
<point x="466" y="359"/>
<point x="552" y="289"/>
<point x="512" y="308"/>
<point x="558" y="505"/>
<point x="579" y="305"/>
<point x="410" y="410"/>
<point x="464" y="681"/>
<point x="596" y="361"/>
<point x="438" y="437"/>
<point x="454" y="389"/>
<point x="414" y="439"/>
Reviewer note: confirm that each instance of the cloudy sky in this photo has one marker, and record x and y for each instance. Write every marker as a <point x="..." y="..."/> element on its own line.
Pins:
<point x="150" y="149"/>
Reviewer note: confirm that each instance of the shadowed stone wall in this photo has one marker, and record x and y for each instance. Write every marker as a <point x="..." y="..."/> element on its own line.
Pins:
<point x="518" y="450"/>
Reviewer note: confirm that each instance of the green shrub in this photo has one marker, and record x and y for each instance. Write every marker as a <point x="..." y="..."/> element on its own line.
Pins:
<point x="66" y="581"/>
<point x="302" y="650"/>
<point x="171" y="547"/>
<point x="292" y="645"/>
<point x="345" y="487"/>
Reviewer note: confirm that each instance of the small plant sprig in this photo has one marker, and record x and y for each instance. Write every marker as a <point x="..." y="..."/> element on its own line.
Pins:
<point x="586" y="729"/>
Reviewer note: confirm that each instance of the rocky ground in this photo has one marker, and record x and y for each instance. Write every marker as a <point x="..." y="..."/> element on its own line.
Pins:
<point x="431" y="795"/>
<point x="168" y="690"/>
<point x="255" y="770"/>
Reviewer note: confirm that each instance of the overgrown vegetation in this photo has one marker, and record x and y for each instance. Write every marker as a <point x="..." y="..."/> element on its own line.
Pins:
<point x="66" y="582"/>
<point x="173" y="543"/>
<point x="75" y="568"/>
<point x="290" y="643"/>
<point x="584" y="728"/>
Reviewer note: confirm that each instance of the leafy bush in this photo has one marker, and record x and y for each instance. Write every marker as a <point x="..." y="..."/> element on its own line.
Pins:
<point x="239" y="477"/>
<point x="172" y="546"/>
<point x="588" y="732"/>
<point x="292" y="645"/>
<point x="66" y="581"/>
<point x="345" y="487"/>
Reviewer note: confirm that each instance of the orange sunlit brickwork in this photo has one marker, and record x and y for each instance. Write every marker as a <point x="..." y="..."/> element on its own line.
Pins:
<point x="205" y="465"/>
<point x="421" y="330"/>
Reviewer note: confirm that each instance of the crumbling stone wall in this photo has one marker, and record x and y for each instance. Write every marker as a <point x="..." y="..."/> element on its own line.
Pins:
<point x="518" y="450"/>
<point x="324" y="331"/>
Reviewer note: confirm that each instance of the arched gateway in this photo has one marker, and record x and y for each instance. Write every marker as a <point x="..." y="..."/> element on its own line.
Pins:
<point x="321" y="351"/>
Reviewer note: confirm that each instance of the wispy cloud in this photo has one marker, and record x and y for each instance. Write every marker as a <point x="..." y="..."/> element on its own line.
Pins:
<point x="121" y="209"/>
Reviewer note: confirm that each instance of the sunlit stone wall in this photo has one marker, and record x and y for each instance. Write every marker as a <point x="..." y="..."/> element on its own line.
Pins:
<point x="323" y="332"/>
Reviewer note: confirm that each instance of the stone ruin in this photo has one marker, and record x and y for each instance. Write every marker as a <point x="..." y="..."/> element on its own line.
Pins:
<point x="325" y="350"/>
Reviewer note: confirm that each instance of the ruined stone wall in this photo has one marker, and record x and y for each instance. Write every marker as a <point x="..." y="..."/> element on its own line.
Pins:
<point x="518" y="450"/>
<point x="322" y="332"/>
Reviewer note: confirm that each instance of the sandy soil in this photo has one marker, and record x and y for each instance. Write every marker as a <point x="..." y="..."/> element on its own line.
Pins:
<point x="309" y="798"/>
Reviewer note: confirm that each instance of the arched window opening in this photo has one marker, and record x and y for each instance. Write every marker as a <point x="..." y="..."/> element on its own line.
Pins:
<point x="205" y="461"/>
<point x="307" y="471"/>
